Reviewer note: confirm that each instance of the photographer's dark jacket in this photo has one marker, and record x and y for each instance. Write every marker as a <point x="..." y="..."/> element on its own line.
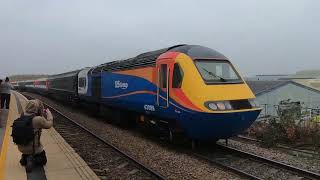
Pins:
<point x="35" y="107"/>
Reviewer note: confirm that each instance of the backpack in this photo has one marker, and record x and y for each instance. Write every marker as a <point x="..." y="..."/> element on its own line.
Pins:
<point x="22" y="130"/>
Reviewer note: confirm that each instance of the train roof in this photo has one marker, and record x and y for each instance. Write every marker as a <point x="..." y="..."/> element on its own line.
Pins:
<point x="25" y="81"/>
<point x="41" y="79"/>
<point x="198" y="52"/>
<point x="67" y="74"/>
<point x="149" y="58"/>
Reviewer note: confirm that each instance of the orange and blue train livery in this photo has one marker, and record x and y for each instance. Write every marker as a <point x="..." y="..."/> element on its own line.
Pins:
<point x="191" y="88"/>
<point x="186" y="89"/>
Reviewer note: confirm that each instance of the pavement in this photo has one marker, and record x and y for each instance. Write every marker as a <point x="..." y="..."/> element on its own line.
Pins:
<point x="3" y="122"/>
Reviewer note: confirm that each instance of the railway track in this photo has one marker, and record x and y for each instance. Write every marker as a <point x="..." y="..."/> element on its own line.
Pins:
<point x="309" y="153"/>
<point x="242" y="163"/>
<point x="253" y="166"/>
<point x="106" y="160"/>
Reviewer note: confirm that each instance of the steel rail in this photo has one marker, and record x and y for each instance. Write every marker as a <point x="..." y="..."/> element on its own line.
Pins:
<point x="299" y="171"/>
<point x="312" y="153"/>
<point x="230" y="168"/>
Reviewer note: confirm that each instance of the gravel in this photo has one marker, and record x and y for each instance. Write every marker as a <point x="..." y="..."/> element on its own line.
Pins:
<point x="304" y="162"/>
<point x="169" y="161"/>
<point x="104" y="161"/>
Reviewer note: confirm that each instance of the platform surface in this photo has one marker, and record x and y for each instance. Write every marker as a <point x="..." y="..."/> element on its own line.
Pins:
<point x="63" y="161"/>
<point x="3" y="122"/>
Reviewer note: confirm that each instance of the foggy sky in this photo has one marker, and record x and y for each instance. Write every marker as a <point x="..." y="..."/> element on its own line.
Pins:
<point x="260" y="37"/>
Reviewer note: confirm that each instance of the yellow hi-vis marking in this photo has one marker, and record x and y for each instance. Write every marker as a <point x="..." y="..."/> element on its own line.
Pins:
<point x="4" y="147"/>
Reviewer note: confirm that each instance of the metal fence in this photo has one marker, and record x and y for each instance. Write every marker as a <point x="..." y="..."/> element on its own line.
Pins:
<point x="271" y="110"/>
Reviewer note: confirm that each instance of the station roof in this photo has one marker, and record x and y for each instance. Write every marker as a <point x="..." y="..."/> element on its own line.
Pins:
<point x="312" y="83"/>
<point x="261" y="87"/>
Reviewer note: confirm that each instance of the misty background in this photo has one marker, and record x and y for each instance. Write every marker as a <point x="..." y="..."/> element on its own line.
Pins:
<point x="259" y="37"/>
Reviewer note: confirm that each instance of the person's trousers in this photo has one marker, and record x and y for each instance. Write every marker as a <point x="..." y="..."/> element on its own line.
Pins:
<point x="5" y="100"/>
<point x="38" y="159"/>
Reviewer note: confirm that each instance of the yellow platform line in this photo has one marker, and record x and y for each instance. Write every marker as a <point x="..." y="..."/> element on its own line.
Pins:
<point x="4" y="148"/>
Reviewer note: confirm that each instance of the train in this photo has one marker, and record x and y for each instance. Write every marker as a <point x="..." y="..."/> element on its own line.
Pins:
<point x="187" y="90"/>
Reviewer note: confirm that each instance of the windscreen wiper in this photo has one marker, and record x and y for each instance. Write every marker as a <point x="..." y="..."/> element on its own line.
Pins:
<point x="214" y="75"/>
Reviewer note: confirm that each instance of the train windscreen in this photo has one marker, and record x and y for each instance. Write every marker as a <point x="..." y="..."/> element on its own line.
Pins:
<point x="217" y="71"/>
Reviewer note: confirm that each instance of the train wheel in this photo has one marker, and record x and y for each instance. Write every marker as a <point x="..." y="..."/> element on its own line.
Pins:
<point x="105" y="113"/>
<point x="171" y="136"/>
<point x="194" y="144"/>
<point x="123" y="118"/>
<point x="117" y="116"/>
<point x="175" y="137"/>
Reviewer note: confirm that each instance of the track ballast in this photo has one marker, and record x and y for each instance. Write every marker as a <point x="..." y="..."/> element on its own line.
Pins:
<point x="253" y="166"/>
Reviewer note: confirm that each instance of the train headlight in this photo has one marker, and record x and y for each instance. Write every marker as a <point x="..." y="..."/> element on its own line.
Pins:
<point x="218" y="106"/>
<point x="213" y="106"/>
<point x="221" y="106"/>
<point x="253" y="103"/>
<point x="228" y="105"/>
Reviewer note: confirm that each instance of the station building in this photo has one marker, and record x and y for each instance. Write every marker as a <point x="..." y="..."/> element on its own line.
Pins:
<point x="270" y="93"/>
<point x="302" y="87"/>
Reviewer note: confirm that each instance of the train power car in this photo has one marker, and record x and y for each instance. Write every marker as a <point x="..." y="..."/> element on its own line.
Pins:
<point x="187" y="89"/>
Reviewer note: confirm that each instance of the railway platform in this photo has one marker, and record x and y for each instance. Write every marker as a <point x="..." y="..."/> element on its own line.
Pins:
<point x="63" y="161"/>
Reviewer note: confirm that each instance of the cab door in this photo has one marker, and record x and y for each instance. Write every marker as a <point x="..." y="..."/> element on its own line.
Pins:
<point x="96" y="87"/>
<point x="163" y="78"/>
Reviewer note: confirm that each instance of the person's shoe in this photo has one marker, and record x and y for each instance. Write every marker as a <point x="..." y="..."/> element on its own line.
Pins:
<point x="23" y="161"/>
<point x="29" y="164"/>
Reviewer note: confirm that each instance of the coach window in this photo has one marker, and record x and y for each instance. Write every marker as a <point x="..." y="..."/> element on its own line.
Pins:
<point x="177" y="76"/>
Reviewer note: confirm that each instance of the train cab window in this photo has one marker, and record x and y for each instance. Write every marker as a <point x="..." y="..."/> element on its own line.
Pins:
<point x="217" y="71"/>
<point x="177" y="76"/>
<point x="163" y="76"/>
<point x="82" y="82"/>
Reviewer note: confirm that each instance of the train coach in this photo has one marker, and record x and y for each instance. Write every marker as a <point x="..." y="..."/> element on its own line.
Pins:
<point x="41" y="86"/>
<point x="185" y="89"/>
<point x="64" y="86"/>
<point x="28" y="85"/>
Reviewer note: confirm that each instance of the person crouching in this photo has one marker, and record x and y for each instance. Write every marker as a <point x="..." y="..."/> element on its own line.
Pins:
<point x="34" y="119"/>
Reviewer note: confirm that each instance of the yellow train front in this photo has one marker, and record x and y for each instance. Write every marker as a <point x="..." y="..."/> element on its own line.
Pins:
<point x="187" y="88"/>
<point x="214" y="100"/>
